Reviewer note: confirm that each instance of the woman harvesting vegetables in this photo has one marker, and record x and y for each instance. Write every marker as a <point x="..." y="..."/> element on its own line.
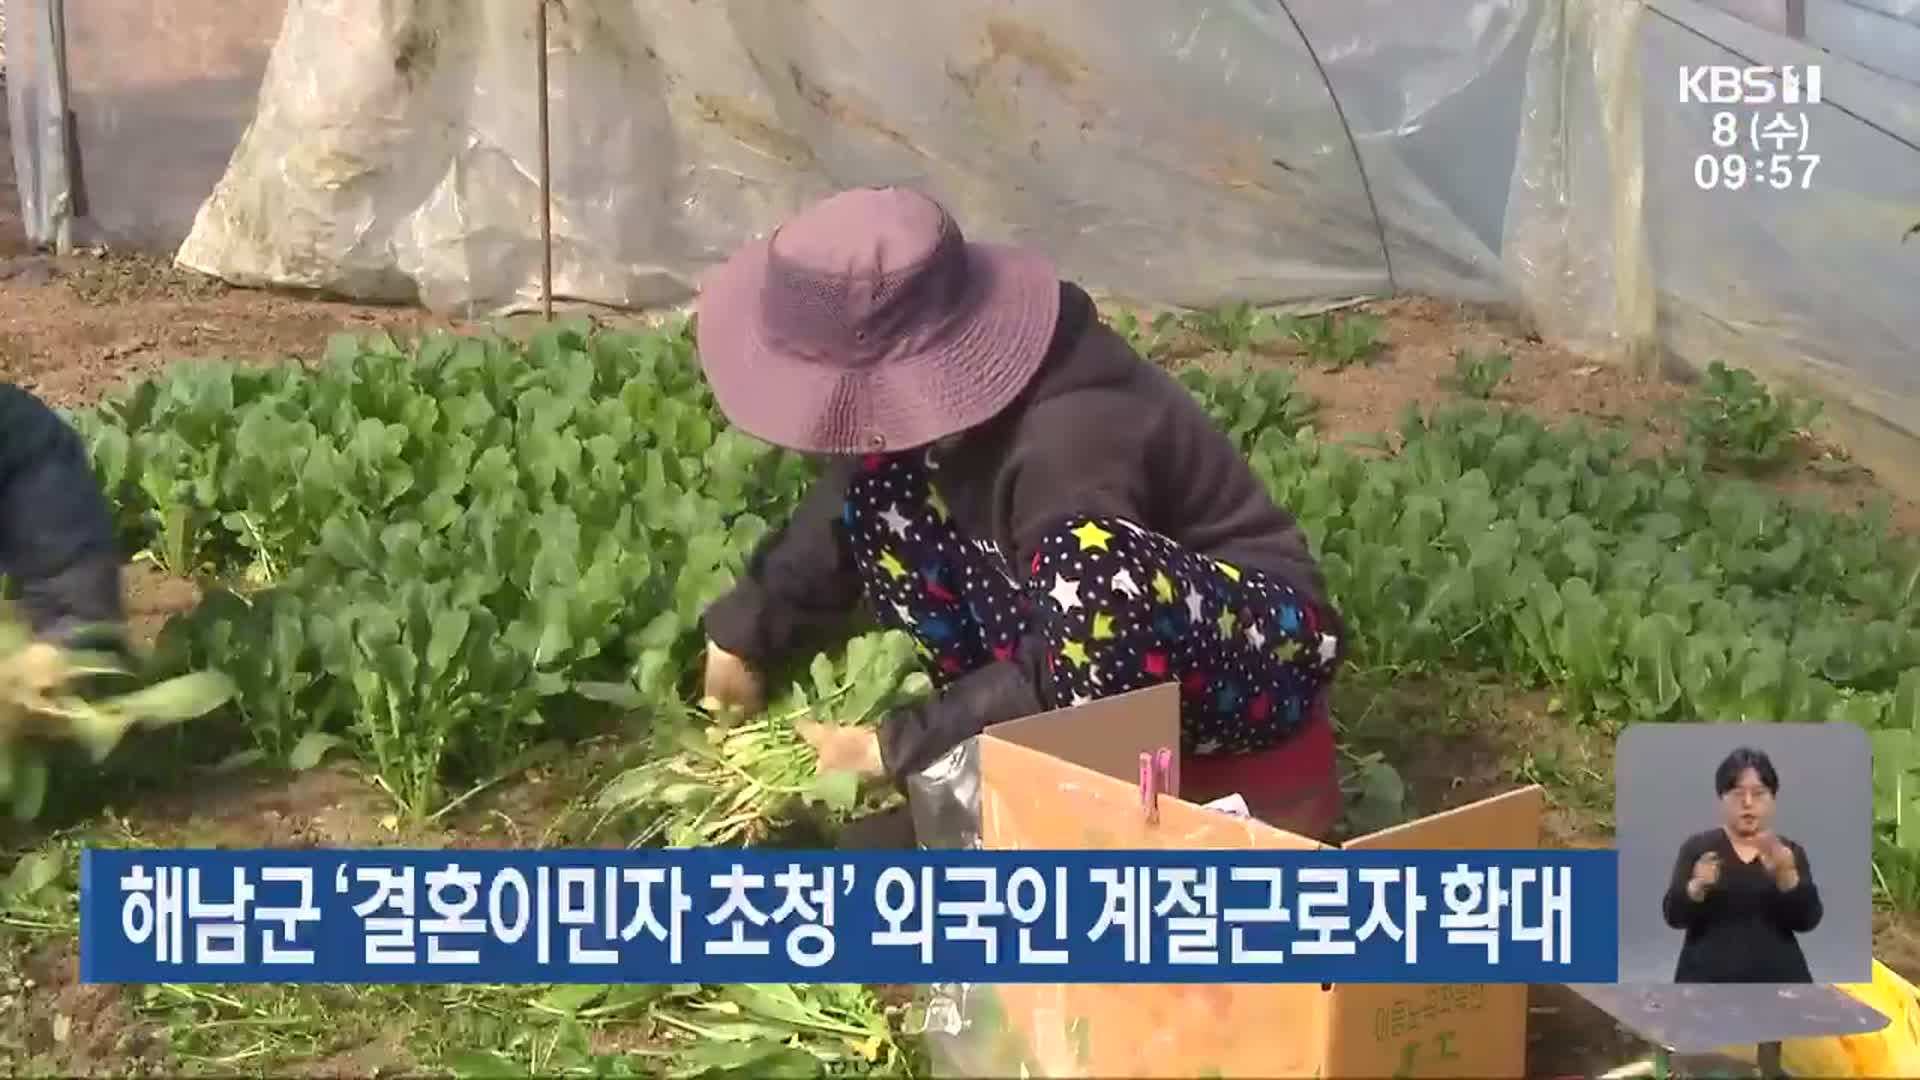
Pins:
<point x="1052" y="518"/>
<point x="57" y="553"/>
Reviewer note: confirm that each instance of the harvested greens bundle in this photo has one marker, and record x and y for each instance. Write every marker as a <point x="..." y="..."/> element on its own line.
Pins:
<point x="40" y="700"/>
<point x="708" y="784"/>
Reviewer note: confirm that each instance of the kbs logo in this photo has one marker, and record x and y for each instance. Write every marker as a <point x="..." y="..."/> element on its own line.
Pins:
<point x="1728" y="84"/>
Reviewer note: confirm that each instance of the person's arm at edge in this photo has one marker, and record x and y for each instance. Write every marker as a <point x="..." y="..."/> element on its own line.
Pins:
<point x="57" y="541"/>
<point x="1683" y="911"/>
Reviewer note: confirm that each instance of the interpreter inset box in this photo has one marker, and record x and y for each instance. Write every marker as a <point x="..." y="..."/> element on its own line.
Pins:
<point x="1745" y="853"/>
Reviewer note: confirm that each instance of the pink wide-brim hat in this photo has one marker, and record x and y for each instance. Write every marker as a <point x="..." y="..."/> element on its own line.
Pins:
<point x="868" y="324"/>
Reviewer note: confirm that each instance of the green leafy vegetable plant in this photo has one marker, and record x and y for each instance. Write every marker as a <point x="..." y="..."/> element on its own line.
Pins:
<point x="1633" y="586"/>
<point x="1236" y="330"/>
<point x="702" y="1033"/>
<point x="1478" y="374"/>
<point x="421" y="551"/>
<point x="1151" y="338"/>
<point x="1248" y="401"/>
<point x="1337" y="341"/>
<point x="1742" y="424"/>
<point x="708" y="784"/>
<point x="1375" y="795"/>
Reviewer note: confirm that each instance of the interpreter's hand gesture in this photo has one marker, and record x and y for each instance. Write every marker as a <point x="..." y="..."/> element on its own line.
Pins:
<point x="732" y="685"/>
<point x="1778" y="858"/>
<point x="1706" y="874"/>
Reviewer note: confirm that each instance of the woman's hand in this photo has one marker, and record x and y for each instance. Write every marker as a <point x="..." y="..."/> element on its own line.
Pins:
<point x="1706" y="874"/>
<point x="844" y="749"/>
<point x="1778" y="858"/>
<point x="732" y="685"/>
<point x="27" y="679"/>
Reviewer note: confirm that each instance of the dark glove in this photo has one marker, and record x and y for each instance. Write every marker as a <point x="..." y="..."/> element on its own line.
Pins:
<point x="79" y="608"/>
<point x="913" y="737"/>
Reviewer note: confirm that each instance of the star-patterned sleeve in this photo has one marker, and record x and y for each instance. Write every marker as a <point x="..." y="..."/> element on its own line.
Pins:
<point x="800" y="584"/>
<point x="1044" y="491"/>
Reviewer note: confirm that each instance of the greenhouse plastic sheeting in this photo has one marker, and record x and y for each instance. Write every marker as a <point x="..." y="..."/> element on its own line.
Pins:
<point x="1817" y="282"/>
<point x="33" y="121"/>
<point x="1183" y="153"/>
<point x="1187" y="152"/>
<point x="159" y="92"/>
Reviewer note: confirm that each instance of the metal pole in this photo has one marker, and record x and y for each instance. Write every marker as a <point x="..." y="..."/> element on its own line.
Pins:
<point x="546" y="165"/>
<point x="1797" y="19"/>
<point x="59" y="171"/>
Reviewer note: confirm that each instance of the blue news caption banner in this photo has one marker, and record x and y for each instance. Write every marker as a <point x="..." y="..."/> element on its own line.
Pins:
<point x="729" y="916"/>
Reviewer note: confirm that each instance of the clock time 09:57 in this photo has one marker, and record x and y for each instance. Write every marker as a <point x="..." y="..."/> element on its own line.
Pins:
<point x="1735" y="172"/>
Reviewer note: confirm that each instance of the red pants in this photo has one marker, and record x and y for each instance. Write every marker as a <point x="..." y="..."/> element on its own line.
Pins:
<point x="1294" y="786"/>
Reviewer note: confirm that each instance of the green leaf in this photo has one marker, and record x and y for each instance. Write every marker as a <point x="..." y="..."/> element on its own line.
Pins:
<point x="837" y="790"/>
<point x="619" y="695"/>
<point x="661" y="631"/>
<point x="743" y="1057"/>
<point x="862" y="651"/>
<point x="240" y="760"/>
<point x="29" y="786"/>
<point x="1654" y="645"/>
<point x="1903" y="713"/>
<point x="569" y="1000"/>
<point x="1383" y="784"/>
<point x="35" y="871"/>
<point x="1860" y="710"/>
<point x="178" y="699"/>
<point x="449" y="634"/>
<point x="1896" y="784"/>
<point x="825" y="676"/>
<point x="778" y="1002"/>
<point x="311" y="750"/>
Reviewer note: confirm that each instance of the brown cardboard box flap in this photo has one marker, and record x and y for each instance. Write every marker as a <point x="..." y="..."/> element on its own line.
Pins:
<point x="1508" y="820"/>
<point x="1070" y="779"/>
<point x="1106" y="735"/>
<point x="1439" y="1030"/>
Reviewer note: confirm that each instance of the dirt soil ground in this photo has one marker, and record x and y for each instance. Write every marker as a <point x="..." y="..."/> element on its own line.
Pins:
<point x="75" y="328"/>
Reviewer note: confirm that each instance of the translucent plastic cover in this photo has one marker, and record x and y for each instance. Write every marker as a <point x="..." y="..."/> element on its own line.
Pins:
<point x="1523" y="150"/>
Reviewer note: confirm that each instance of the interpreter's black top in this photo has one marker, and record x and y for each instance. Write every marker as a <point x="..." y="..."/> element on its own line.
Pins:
<point x="1743" y="931"/>
<point x="1099" y="432"/>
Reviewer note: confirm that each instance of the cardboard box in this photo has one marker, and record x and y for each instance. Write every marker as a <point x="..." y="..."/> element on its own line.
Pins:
<point x="1070" y="779"/>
